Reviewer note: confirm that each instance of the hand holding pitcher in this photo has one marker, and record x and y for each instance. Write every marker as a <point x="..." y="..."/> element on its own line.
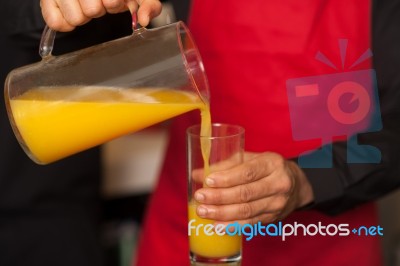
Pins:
<point x="65" y="15"/>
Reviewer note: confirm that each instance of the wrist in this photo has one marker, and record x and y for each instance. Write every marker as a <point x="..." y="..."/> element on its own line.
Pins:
<point x="302" y="187"/>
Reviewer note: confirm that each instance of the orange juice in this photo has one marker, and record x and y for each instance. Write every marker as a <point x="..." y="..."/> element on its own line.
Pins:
<point x="211" y="246"/>
<point x="55" y="123"/>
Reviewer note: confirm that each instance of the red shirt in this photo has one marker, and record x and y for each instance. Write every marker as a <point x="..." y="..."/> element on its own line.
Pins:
<point x="250" y="49"/>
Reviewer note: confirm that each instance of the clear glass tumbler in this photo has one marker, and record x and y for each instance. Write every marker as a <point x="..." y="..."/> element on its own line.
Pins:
<point x="209" y="244"/>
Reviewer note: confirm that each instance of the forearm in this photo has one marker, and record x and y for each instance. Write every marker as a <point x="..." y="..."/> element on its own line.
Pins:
<point x="347" y="185"/>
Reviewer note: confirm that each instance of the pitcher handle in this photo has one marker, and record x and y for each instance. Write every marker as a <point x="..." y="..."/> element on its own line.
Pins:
<point x="47" y="42"/>
<point x="48" y="36"/>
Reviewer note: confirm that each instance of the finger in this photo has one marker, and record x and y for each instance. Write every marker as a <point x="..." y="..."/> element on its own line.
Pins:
<point x="234" y="160"/>
<point x="92" y="8"/>
<point x="117" y="6"/>
<point x="72" y="12"/>
<point x="250" y="171"/>
<point x="148" y="9"/>
<point x="278" y="182"/>
<point x="254" y="169"/>
<point x="262" y="188"/>
<point x="242" y="211"/>
<point x="53" y="16"/>
<point x="198" y="175"/>
<point x="263" y="218"/>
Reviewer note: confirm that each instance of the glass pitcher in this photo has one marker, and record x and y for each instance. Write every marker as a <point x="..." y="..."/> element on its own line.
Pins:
<point x="66" y="104"/>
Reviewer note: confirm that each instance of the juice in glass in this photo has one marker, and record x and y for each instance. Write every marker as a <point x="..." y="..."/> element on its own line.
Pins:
<point x="210" y="147"/>
<point x="211" y="246"/>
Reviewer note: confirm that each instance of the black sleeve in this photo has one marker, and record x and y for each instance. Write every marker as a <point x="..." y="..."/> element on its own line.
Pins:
<point x="347" y="185"/>
<point x="181" y="9"/>
<point x="49" y="215"/>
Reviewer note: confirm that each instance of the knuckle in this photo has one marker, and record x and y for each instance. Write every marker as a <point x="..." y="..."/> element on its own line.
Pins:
<point x="157" y="5"/>
<point x="286" y="185"/>
<point x="59" y="25"/>
<point x="217" y="214"/>
<point x="155" y="8"/>
<point x="53" y="22"/>
<point x="245" y="211"/>
<point x="249" y="175"/>
<point x="280" y="203"/>
<point x="279" y="161"/>
<point x="112" y="4"/>
<point x="75" y="20"/>
<point x="93" y="11"/>
<point x="217" y="197"/>
<point x="225" y="181"/>
<point x="244" y="193"/>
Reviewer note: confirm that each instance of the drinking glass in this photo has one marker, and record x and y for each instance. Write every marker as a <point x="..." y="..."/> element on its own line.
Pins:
<point x="222" y="150"/>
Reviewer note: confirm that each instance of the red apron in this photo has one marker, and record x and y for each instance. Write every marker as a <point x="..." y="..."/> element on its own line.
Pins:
<point x="250" y="49"/>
